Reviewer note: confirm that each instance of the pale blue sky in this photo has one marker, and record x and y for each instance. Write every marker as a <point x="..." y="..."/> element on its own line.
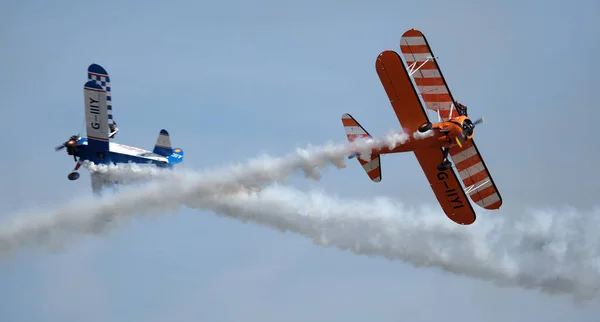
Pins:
<point x="232" y="79"/>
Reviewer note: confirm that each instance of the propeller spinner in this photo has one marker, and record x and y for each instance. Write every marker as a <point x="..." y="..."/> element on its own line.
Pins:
<point x="468" y="128"/>
<point x="70" y="145"/>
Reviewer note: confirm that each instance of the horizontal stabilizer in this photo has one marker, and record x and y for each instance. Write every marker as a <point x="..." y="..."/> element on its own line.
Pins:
<point x="176" y="156"/>
<point x="372" y="166"/>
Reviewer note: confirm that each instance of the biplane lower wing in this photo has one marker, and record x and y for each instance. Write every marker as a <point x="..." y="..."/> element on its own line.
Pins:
<point x="407" y="106"/>
<point x="446" y="187"/>
<point x="402" y="94"/>
<point x="475" y="175"/>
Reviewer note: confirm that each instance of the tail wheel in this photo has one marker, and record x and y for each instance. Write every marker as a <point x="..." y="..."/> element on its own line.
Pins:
<point x="425" y="127"/>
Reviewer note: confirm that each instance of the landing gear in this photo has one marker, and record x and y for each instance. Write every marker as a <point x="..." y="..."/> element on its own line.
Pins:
<point x="445" y="164"/>
<point x="425" y="127"/>
<point x="73" y="176"/>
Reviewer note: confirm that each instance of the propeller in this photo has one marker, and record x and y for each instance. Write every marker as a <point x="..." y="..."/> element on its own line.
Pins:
<point x="468" y="128"/>
<point x="481" y="120"/>
<point x="71" y="143"/>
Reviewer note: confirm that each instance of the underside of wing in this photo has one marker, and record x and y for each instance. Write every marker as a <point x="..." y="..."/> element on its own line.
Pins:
<point x="95" y="116"/>
<point x="475" y="176"/>
<point x="427" y="74"/>
<point x="98" y="74"/>
<point x="400" y="91"/>
<point x="446" y="187"/>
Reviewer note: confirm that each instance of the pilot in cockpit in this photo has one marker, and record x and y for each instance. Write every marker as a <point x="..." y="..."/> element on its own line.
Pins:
<point x="461" y="109"/>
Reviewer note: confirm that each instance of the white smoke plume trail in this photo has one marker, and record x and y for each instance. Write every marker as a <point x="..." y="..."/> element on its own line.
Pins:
<point x="89" y="215"/>
<point x="554" y="252"/>
<point x="265" y="170"/>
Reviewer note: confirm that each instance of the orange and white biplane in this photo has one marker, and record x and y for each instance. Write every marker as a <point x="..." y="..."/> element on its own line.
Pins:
<point x="450" y="138"/>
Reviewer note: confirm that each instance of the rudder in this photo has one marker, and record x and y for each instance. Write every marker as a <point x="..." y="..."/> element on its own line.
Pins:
<point x="355" y="131"/>
<point x="163" y="144"/>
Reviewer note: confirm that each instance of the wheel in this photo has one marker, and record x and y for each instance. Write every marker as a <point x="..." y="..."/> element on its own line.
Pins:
<point x="425" y="127"/>
<point x="73" y="176"/>
<point x="445" y="165"/>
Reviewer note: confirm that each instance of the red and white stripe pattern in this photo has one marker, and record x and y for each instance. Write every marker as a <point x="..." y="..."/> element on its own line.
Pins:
<point x="355" y="131"/>
<point x="428" y="78"/>
<point x="435" y="93"/>
<point x="475" y="176"/>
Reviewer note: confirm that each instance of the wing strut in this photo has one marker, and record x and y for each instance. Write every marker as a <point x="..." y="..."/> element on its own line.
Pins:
<point x="412" y="68"/>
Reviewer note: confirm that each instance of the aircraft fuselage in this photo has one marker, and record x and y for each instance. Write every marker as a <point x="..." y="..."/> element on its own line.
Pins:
<point x="118" y="153"/>
<point x="444" y="136"/>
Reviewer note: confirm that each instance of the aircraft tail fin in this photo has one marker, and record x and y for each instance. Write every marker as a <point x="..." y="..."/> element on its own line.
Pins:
<point x="163" y="144"/>
<point x="163" y="147"/>
<point x="354" y="131"/>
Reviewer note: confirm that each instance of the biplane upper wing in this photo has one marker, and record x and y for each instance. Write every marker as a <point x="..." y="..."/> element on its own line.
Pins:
<point x="405" y="101"/>
<point x="426" y="73"/>
<point x="98" y="74"/>
<point x="96" y="116"/>
<point x="436" y="94"/>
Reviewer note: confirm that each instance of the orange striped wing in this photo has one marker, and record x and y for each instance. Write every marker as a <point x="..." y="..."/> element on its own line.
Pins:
<point x="428" y="77"/>
<point x="437" y="97"/>
<point x="475" y="176"/>
<point x="409" y="110"/>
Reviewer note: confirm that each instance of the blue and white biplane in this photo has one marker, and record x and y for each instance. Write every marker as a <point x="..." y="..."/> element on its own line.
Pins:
<point x="101" y="128"/>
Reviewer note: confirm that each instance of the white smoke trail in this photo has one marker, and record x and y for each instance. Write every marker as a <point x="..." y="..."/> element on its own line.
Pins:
<point x="554" y="252"/>
<point x="265" y="169"/>
<point x="90" y="215"/>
